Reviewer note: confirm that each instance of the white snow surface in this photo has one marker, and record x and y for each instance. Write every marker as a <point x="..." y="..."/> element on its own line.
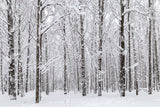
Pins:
<point x="58" y="99"/>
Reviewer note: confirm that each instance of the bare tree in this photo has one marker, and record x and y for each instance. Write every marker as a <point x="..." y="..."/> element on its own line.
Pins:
<point x="12" y="82"/>
<point x="101" y="18"/>
<point x="122" y="53"/>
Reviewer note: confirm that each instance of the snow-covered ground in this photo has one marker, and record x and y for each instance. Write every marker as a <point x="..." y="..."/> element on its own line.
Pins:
<point x="57" y="99"/>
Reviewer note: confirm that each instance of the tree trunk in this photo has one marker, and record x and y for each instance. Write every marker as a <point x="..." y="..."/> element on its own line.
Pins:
<point x="135" y="62"/>
<point x="122" y="53"/>
<point x="150" y="53"/>
<point x="101" y="18"/>
<point x="47" y="72"/>
<point x="28" y="59"/>
<point x="129" y="44"/>
<point x="65" y="57"/>
<point x="37" y="54"/>
<point x="20" y="73"/>
<point x="84" y="86"/>
<point x="1" y="67"/>
<point x="12" y="82"/>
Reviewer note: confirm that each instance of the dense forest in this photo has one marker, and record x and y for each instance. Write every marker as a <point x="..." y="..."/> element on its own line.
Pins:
<point x="85" y="46"/>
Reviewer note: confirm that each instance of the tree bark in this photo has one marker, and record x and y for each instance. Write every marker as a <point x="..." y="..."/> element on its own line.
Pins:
<point x="12" y="82"/>
<point x="38" y="54"/>
<point x="150" y="53"/>
<point x="83" y="75"/>
<point x="47" y="72"/>
<point x="28" y="59"/>
<point x="1" y="67"/>
<point x="122" y="53"/>
<point x="129" y="44"/>
<point x="101" y="19"/>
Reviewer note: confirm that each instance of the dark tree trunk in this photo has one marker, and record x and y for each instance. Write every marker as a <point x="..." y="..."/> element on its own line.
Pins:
<point x="20" y="73"/>
<point x="53" y="79"/>
<point x="122" y="53"/>
<point x="47" y="72"/>
<point x="83" y="58"/>
<point x="129" y="44"/>
<point x="101" y="18"/>
<point x="41" y="76"/>
<point x="1" y="67"/>
<point x="28" y="59"/>
<point x="65" y="72"/>
<point x="65" y="57"/>
<point x="37" y="54"/>
<point x="83" y="75"/>
<point x="12" y="82"/>
<point x="95" y="87"/>
<point x="155" y="56"/>
<point x="150" y="53"/>
<point x="78" y="83"/>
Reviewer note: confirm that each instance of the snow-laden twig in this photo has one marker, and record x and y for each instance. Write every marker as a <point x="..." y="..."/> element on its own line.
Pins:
<point x="135" y="10"/>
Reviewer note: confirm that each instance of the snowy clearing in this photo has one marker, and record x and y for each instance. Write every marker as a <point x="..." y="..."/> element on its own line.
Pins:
<point x="57" y="99"/>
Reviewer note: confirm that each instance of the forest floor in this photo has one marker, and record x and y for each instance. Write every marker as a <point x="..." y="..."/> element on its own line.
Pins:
<point x="58" y="99"/>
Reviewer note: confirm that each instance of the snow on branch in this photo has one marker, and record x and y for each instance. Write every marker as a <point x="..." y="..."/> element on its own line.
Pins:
<point x="134" y="10"/>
